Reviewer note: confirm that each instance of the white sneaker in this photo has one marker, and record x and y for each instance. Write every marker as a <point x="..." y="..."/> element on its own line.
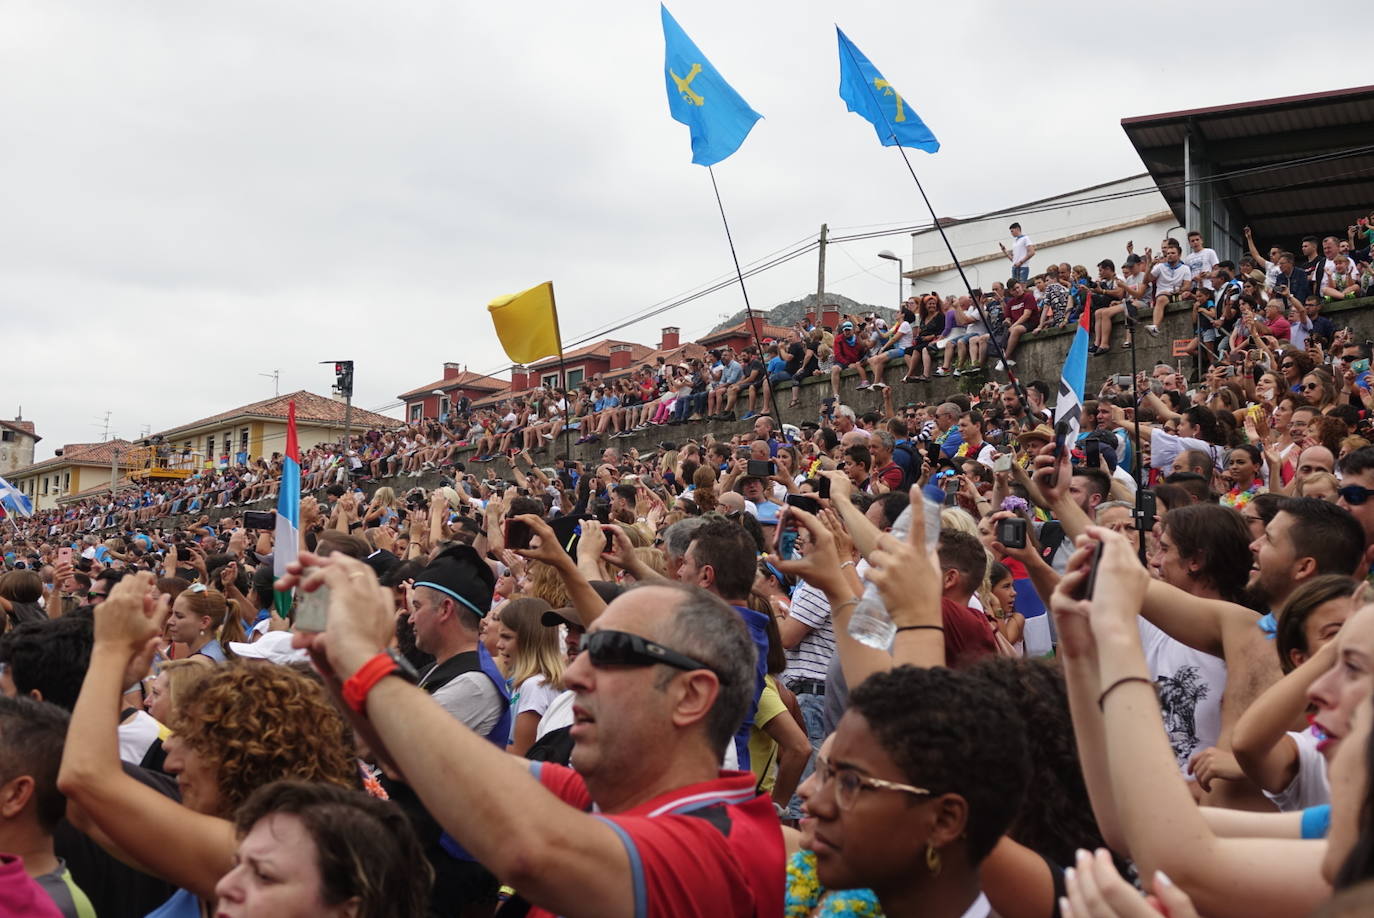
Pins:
<point x="1153" y="330"/>
<point x="1001" y="367"/>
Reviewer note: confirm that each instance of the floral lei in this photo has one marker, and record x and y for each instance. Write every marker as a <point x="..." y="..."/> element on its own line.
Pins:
<point x="1238" y="499"/>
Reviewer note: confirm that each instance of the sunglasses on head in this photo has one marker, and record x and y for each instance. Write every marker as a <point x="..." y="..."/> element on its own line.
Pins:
<point x="1354" y="495"/>
<point x="620" y="648"/>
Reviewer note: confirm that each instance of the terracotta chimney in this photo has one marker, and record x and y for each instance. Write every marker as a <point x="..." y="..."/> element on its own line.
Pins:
<point x="671" y="338"/>
<point x="620" y="356"/>
<point x="453" y="370"/>
<point x="830" y="316"/>
<point x="756" y="324"/>
<point x="519" y="378"/>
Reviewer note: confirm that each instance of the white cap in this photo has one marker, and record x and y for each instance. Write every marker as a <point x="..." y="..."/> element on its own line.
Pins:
<point x="274" y="646"/>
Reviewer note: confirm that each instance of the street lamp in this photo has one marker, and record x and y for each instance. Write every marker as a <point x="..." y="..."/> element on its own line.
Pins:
<point x="889" y="255"/>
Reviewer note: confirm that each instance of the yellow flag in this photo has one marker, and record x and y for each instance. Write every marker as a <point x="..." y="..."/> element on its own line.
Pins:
<point x="527" y="323"/>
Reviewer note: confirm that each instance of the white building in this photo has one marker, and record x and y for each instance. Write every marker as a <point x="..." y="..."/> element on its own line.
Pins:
<point x="1081" y="227"/>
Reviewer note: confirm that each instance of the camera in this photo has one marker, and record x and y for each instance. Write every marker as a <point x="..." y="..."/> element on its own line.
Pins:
<point x="1011" y="532"/>
<point x="1122" y="381"/>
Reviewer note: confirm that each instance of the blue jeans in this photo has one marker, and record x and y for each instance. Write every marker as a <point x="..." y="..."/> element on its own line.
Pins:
<point x="1022" y="273"/>
<point x="813" y="712"/>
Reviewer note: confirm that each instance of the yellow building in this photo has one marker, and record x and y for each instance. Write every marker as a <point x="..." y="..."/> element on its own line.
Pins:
<point x="258" y="430"/>
<point x="76" y="467"/>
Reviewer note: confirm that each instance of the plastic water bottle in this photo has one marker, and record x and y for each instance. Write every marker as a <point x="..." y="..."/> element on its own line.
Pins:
<point x="870" y="624"/>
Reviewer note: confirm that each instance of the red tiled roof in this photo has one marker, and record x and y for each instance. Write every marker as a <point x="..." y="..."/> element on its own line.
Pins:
<point x="465" y="380"/>
<point x="310" y="409"/>
<point x="23" y="427"/>
<point x="600" y="349"/>
<point x="79" y="454"/>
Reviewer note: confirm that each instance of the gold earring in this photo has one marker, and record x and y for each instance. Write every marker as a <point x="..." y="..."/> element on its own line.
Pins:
<point x="932" y="859"/>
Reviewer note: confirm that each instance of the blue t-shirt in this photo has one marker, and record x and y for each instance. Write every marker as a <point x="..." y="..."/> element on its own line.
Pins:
<point x="776" y="365"/>
<point x="757" y="623"/>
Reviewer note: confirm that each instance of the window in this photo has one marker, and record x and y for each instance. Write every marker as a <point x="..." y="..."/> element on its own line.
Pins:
<point x="575" y="377"/>
<point x="7" y="436"/>
<point x="549" y="380"/>
<point x="66" y="482"/>
<point x="210" y="449"/>
<point x="243" y="440"/>
<point x="45" y="484"/>
<point x="443" y="406"/>
<point x="417" y="411"/>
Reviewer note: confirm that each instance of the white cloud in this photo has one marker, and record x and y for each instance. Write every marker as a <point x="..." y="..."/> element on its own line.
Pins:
<point x="196" y="193"/>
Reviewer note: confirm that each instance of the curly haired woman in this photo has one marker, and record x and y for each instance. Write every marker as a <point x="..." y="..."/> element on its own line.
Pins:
<point x="242" y="726"/>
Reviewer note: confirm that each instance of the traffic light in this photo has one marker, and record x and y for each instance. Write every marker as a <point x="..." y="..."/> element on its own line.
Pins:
<point x="343" y="377"/>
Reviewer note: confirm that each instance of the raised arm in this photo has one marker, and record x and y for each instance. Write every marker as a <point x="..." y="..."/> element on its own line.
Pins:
<point x="189" y="849"/>
<point x="544" y="847"/>
<point x="1227" y="878"/>
<point x="1259" y="740"/>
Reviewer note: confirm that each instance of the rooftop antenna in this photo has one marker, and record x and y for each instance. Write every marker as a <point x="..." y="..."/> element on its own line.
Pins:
<point x="275" y="376"/>
<point x="105" y="426"/>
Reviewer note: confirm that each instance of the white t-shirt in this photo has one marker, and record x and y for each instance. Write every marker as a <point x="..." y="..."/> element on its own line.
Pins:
<point x="1309" y="786"/>
<point x="1165" y="448"/>
<point x="1190" y="684"/>
<point x="557" y="715"/>
<point x="534" y="694"/>
<point x="1019" y="247"/>
<point x="904" y="336"/>
<point x="1201" y="264"/>
<point x="136" y="736"/>
<point x="1171" y="278"/>
<point x="811" y="657"/>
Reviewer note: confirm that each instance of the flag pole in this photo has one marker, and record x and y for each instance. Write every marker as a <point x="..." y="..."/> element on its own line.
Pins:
<point x="562" y="375"/>
<point x="976" y="300"/>
<point x="772" y="395"/>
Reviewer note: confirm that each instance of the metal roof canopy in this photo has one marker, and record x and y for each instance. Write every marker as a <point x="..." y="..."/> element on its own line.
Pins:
<point x="1312" y="158"/>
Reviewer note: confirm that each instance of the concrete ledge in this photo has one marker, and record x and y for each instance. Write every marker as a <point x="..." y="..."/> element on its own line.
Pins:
<point x="1038" y="357"/>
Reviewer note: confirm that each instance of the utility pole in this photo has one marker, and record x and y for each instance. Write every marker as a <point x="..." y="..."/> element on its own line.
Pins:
<point x="820" y="270"/>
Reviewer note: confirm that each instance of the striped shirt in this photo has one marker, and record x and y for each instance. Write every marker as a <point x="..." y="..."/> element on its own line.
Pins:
<point x="810" y="658"/>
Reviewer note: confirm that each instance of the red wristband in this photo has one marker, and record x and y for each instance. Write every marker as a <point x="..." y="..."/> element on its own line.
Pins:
<point x="357" y="686"/>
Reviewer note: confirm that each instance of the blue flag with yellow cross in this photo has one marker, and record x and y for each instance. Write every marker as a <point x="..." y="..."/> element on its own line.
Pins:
<point x="873" y="98"/>
<point x="699" y="97"/>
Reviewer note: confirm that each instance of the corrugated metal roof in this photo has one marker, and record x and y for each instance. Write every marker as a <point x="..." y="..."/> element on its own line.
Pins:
<point x="1292" y="191"/>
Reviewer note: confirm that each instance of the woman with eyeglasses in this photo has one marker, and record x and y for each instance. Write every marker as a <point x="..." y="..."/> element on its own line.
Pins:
<point x="1319" y="388"/>
<point x="1293" y="366"/>
<point x="913" y="797"/>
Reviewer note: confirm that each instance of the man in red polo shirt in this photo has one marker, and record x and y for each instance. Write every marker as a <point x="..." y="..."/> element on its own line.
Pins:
<point x="963" y="564"/>
<point x="644" y="823"/>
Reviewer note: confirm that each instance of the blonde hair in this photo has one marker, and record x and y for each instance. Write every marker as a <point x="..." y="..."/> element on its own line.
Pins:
<point x="547" y="584"/>
<point x="181" y="675"/>
<point x="1316" y="478"/>
<point x="654" y="559"/>
<point x="537" y="652"/>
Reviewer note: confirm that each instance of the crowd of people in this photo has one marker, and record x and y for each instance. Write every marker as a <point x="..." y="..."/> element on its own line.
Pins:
<point x="943" y="659"/>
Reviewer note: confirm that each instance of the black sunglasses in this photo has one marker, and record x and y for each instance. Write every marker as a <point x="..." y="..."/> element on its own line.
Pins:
<point x="1354" y="495"/>
<point x="620" y="648"/>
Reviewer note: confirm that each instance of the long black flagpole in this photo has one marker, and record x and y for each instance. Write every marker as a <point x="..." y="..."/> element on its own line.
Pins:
<point x="772" y="400"/>
<point x="976" y="300"/>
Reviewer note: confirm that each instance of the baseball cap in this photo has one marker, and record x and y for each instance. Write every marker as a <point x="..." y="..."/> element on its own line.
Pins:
<point x="274" y="647"/>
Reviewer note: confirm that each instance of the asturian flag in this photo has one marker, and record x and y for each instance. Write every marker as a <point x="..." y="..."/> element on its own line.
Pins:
<point x="1069" y="407"/>
<point x="286" y="545"/>
<point x="14" y="500"/>
<point x="698" y="96"/>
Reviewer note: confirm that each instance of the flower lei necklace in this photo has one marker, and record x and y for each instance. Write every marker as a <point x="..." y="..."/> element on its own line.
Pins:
<point x="1237" y="498"/>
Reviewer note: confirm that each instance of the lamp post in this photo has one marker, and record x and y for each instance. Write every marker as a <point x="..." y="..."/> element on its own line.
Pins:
<point x="889" y="255"/>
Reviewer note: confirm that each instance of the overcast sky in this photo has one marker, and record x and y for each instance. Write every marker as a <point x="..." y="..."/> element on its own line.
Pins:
<point x="195" y="193"/>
